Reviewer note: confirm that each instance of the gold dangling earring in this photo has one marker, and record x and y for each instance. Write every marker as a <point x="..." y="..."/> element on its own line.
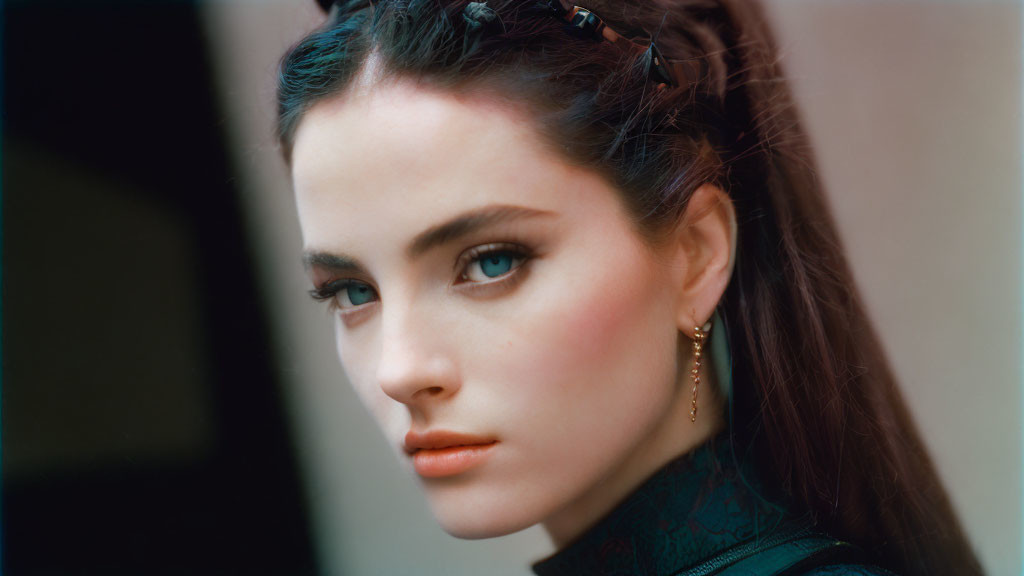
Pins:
<point x="699" y="334"/>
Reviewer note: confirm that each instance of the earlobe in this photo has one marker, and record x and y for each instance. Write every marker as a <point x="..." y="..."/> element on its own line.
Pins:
<point x="706" y="246"/>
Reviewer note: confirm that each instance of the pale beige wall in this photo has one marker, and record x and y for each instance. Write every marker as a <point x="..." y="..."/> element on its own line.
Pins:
<point x="915" y="112"/>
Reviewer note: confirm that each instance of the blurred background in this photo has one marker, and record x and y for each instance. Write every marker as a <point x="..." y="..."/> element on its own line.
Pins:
<point x="172" y="402"/>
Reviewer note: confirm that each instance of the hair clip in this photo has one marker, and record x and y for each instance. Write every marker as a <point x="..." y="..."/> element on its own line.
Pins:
<point x="479" y="18"/>
<point x="479" y="15"/>
<point x="585" y="23"/>
<point x="659" y="70"/>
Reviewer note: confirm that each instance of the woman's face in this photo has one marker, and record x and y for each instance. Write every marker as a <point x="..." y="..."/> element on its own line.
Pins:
<point x="487" y="293"/>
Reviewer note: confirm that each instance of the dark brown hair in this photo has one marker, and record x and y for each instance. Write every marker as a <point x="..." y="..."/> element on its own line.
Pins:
<point x="814" y="398"/>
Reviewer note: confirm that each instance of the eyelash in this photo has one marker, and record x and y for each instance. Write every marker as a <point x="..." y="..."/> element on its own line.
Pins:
<point x="328" y="292"/>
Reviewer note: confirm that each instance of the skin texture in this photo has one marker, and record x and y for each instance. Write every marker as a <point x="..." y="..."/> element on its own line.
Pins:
<point x="576" y="360"/>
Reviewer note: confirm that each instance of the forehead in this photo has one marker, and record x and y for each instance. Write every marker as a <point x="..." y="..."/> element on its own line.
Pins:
<point x="413" y="155"/>
<point x="409" y="127"/>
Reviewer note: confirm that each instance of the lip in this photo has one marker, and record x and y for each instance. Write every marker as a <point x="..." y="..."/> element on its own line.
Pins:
<point x="440" y="453"/>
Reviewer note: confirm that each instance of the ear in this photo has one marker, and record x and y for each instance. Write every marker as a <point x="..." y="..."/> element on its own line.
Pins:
<point x="703" y="247"/>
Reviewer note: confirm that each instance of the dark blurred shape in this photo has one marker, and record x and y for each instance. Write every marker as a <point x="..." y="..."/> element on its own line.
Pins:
<point x="144" y="431"/>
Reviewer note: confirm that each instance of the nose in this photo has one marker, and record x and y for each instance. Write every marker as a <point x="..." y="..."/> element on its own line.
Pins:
<point x="413" y="367"/>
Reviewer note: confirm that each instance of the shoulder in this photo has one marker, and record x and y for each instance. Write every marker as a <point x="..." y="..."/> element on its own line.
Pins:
<point x="848" y="570"/>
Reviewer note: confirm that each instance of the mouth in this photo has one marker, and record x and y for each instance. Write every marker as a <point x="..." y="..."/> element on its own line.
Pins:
<point x="440" y="453"/>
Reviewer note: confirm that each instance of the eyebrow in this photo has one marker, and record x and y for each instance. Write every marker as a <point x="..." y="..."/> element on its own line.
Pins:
<point x="447" y="232"/>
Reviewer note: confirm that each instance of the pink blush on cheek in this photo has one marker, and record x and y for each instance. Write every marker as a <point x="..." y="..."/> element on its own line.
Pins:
<point x="593" y="328"/>
<point x="609" y="314"/>
<point x="592" y="332"/>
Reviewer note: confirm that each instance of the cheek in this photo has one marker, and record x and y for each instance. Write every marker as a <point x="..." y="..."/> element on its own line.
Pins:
<point x="578" y="334"/>
<point x="593" y="327"/>
<point x="602" y="349"/>
<point x="608" y="318"/>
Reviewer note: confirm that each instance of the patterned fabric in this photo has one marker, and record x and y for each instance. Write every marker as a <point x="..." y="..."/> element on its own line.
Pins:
<point x="693" y="508"/>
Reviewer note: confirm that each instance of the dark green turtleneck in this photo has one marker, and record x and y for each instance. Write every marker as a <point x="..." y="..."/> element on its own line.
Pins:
<point x="693" y="509"/>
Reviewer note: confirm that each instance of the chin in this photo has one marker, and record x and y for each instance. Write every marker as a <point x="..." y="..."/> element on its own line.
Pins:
<point x="472" y="520"/>
<point x="480" y="528"/>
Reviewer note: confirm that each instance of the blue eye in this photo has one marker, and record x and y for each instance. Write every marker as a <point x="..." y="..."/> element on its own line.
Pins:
<point x="359" y="294"/>
<point x="344" y="294"/>
<point x="485" y="263"/>
<point x="496" y="264"/>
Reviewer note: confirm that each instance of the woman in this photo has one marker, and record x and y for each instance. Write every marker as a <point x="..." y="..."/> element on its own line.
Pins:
<point x="584" y="276"/>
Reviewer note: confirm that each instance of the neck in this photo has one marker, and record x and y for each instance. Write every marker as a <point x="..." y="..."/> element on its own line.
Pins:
<point x="674" y="436"/>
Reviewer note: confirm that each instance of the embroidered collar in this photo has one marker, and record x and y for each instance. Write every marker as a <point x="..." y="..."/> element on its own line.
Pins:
<point x="691" y="509"/>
